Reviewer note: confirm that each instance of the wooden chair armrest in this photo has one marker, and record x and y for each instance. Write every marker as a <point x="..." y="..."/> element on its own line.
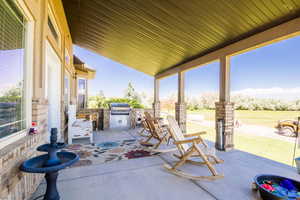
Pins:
<point x="192" y="140"/>
<point x="157" y="120"/>
<point x="195" y="134"/>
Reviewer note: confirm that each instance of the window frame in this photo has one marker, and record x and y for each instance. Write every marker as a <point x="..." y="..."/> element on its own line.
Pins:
<point x="82" y="93"/>
<point x="27" y="74"/>
<point x="52" y="19"/>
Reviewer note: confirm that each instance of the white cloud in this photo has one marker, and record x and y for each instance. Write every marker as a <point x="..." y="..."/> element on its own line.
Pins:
<point x="6" y="87"/>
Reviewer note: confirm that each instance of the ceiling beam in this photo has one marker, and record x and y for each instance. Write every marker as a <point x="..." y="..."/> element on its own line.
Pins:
<point x="275" y="34"/>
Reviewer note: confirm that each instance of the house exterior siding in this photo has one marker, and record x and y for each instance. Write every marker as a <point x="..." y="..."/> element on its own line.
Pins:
<point x="14" y="184"/>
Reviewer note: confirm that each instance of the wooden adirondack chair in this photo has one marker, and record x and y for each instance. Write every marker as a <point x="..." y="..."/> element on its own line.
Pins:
<point x="145" y="132"/>
<point x="157" y="132"/>
<point x="189" y="146"/>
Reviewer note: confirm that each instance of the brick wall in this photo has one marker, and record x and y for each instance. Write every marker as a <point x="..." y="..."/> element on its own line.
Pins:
<point x="14" y="184"/>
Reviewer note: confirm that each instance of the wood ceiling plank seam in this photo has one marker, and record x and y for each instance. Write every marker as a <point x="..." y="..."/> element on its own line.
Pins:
<point x="248" y="25"/>
<point x="91" y="47"/>
<point x="140" y="25"/>
<point x="99" y="45"/>
<point x="260" y="12"/>
<point x="207" y="17"/>
<point x="216" y="27"/>
<point x="221" y="16"/>
<point x="296" y="4"/>
<point x="111" y="29"/>
<point x="267" y="7"/>
<point x="264" y="18"/>
<point x="114" y="25"/>
<point x="154" y="33"/>
<point x="166" y="26"/>
<point x="87" y="39"/>
<point x="193" y="27"/>
<point x="286" y="5"/>
<point x="180" y="23"/>
<point x="252" y="15"/>
<point x="236" y="16"/>
<point x="278" y="9"/>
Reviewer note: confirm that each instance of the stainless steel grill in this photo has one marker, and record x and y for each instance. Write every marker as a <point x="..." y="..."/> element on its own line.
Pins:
<point x="119" y="109"/>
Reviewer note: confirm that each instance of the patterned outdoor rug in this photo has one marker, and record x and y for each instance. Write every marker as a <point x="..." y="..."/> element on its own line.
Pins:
<point x="91" y="154"/>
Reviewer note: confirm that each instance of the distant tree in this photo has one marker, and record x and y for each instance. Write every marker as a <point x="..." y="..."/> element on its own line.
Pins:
<point x="12" y="94"/>
<point x="97" y="101"/>
<point x="130" y="91"/>
<point x="101" y="94"/>
<point x="131" y="94"/>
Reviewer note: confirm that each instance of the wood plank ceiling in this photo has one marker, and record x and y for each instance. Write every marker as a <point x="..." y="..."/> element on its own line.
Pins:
<point x="155" y="35"/>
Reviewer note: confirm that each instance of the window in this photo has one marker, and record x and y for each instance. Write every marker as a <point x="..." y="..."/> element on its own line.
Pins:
<point x="52" y="25"/>
<point x="52" y="29"/>
<point x="12" y="92"/>
<point x="66" y="97"/>
<point x="82" y="85"/>
<point x="81" y="93"/>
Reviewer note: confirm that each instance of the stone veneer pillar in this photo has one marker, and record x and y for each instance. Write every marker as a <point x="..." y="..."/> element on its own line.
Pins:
<point x="106" y="118"/>
<point x="156" y="103"/>
<point x="180" y="114"/>
<point x="225" y="112"/>
<point x="156" y="109"/>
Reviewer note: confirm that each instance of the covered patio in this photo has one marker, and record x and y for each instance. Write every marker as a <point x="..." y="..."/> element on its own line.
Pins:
<point x="164" y="38"/>
<point x="158" y="38"/>
<point x="145" y="178"/>
<point x="168" y="38"/>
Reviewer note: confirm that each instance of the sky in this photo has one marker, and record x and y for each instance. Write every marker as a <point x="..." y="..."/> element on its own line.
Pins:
<point x="270" y="71"/>
<point x="10" y="68"/>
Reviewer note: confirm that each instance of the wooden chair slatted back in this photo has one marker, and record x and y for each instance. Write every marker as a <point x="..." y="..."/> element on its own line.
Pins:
<point x="177" y="134"/>
<point x="153" y="128"/>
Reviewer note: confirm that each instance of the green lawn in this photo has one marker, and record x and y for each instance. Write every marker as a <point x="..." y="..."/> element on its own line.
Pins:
<point x="263" y="118"/>
<point x="273" y="149"/>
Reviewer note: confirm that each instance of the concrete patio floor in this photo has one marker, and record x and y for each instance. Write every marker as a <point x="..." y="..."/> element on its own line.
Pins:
<point x="146" y="179"/>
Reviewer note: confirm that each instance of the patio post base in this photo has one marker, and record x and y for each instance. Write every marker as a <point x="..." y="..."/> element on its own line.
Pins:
<point x="225" y="114"/>
<point x="180" y="114"/>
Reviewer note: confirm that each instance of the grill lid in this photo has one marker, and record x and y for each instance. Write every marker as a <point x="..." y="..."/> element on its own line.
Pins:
<point x="119" y="109"/>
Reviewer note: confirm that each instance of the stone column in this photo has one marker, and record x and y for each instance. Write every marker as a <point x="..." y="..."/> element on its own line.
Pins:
<point x="156" y="103"/>
<point x="106" y="118"/>
<point x="180" y="105"/>
<point x="225" y="108"/>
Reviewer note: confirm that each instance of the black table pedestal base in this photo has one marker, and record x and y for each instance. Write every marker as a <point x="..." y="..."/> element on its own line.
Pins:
<point x="51" y="192"/>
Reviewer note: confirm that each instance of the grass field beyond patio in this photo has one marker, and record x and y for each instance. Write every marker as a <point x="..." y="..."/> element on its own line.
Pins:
<point x="274" y="149"/>
<point x="261" y="118"/>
